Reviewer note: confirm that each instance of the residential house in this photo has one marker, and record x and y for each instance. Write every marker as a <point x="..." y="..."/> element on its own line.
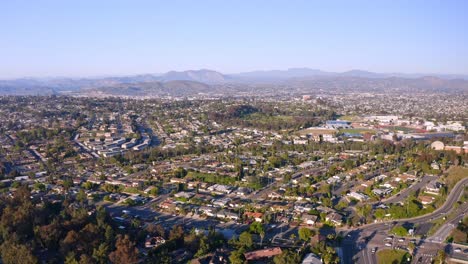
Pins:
<point x="358" y="196"/>
<point x="257" y="216"/>
<point x="433" y="187"/>
<point x="334" y="218"/>
<point x="221" y="202"/>
<point x="381" y="191"/>
<point x="225" y="214"/>
<point x="185" y="195"/>
<point x="309" y="219"/>
<point x="207" y="210"/>
<point x="311" y="258"/>
<point x="426" y="199"/>
<point x="220" y="189"/>
<point x="276" y="195"/>
<point x="152" y="242"/>
<point x="405" y="177"/>
<point x="243" y="191"/>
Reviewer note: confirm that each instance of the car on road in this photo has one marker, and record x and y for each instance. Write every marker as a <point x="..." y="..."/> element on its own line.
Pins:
<point x="401" y="240"/>
<point x="458" y="250"/>
<point x="374" y="250"/>
<point x="388" y="244"/>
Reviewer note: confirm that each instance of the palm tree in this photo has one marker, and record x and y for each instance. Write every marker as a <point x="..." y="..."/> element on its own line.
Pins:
<point x="262" y="235"/>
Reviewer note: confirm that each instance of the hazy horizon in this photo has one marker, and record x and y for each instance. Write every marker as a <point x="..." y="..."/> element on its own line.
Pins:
<point x="98" y="76"/>
<point x="88" y="39"/>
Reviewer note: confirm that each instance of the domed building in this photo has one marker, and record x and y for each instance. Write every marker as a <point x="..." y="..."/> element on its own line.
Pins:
<point x="437" y="145"/>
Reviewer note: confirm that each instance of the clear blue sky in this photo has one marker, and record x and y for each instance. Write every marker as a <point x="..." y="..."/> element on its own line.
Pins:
<point x="89" y="38"/>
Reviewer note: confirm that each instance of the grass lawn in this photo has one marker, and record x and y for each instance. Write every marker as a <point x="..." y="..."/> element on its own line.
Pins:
<point x="455" y="174"/>
<point x="404" y="129"/>
<point x="357" y="130"/>
<point x="392" y="256"/>
<point x="351" y="118"/>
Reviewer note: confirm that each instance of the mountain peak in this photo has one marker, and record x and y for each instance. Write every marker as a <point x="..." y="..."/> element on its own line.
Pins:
<point x="202" y="75"/>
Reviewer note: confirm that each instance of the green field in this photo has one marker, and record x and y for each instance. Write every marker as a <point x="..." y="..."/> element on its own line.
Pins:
<point x="400" y="128"/>
<point x="357" y="130"/>
<point x="392" y="256"/>
<point x="351" y="118"/>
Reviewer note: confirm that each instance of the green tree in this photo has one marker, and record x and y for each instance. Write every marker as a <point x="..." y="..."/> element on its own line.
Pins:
<point x="237" y="257"/>
<point x="305" y="233"/>
<point x="70" y="259"/>
<point x="100" y="254"/>
<point x="256" y="227"/>
<point x="81" y="196"/>
<point x="245" y="240"/>
<point x="440" y="258"/>
<point x="379" y="213"/>
<point x="287" y="257"/>
<point x="154" y="191"/>
<point x="39" y="186"/>
<point x="85" y="259"/>
<point x="329" y="256"/>
<point x="204" y="247"/>
<point x="13" y="253"/>
<point x="87" y="185"/>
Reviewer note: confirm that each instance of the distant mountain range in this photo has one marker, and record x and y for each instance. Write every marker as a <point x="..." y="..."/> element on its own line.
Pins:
<point x="204" y="76"/>
<point x="209" y="81"/>
<point x="276" y="75"/>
